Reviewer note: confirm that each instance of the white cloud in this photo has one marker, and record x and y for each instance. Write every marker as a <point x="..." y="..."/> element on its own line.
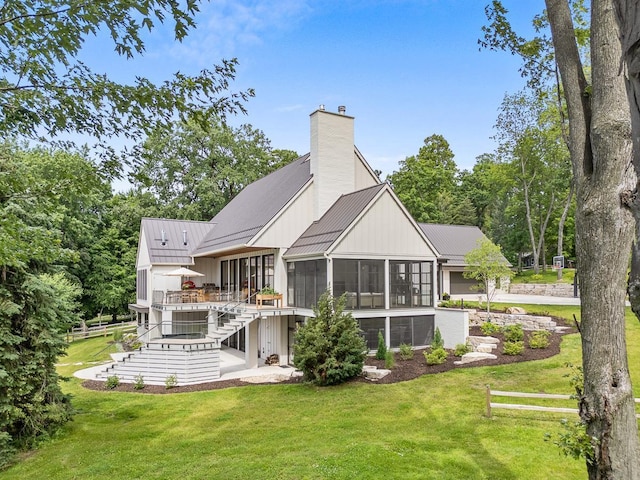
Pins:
<point x="226" y="26"/>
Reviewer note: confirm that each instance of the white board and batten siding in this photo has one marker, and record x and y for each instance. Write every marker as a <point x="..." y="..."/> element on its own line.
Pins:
<point x="365" y="178"/>
<point x="290" y="223"/>
<point x="385" y="228"/>
<point x="143" y="260"/>
<point x="269" y="331"/>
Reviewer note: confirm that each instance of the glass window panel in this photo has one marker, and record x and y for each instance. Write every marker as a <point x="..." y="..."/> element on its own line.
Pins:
<point x="401" y="331"/>
<point x="291" y="281"/>
<point x="415" y="331"/>
<point x="370" y="328"/>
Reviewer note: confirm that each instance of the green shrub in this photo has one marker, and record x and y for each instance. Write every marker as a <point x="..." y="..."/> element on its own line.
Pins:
<point x="438" y="341"/>
<point x="513" y="348"/>
<point x="118" y="335"/>
<point x="436" y="357"/>
<point x="329" y="348"/>
<point x="138" y="383"/>
<point x="171" y="381"/>
<point x="135" y="345"/>
<point x="112" y="382"/>
<point x="536" y="277"/>
<point x="406" y="352"/>
<point x="539" y="339"/>
<point x="389" y="360"/>
<point x="381" y="353"/>
<point x="488" y="328"/>
<point x="513" y="333"/>
<point x="461" y="349"/>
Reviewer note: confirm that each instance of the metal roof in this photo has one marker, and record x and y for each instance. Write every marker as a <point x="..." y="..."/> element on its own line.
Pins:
<point x="250" y="210"/>
<point x="174" y="251"/>
<point x="453" y="242"/>
<point x="322" y="233"/>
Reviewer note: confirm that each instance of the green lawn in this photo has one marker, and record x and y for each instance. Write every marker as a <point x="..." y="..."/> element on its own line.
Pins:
<point x="548" y="276"/>
<point x="430" y="428"/>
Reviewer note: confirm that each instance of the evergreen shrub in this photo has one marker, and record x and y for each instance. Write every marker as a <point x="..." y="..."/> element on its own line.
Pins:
<point x="329" y="348"/>
<point x="381" y="353"/>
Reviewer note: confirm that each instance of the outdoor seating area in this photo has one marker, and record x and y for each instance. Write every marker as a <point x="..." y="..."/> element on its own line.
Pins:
<point x="195" y="295"/>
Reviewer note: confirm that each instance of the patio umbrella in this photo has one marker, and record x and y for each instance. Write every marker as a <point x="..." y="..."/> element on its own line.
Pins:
<point x="183" y="272"/>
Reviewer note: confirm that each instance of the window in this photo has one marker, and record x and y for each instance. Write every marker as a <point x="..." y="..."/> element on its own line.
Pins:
<point x="361" y="280"/>
<point x="141" y="284"/>
<point x="224" y="275"/>
<point x="267" y="270"/>
<point x="370" y="328"/>
<point x="410" y="284"/>
<point x="415" y="331"/>
<point x="306" y="282"/>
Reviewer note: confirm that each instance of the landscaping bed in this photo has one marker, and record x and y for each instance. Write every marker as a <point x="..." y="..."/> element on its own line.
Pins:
<point x="402" y="371"/>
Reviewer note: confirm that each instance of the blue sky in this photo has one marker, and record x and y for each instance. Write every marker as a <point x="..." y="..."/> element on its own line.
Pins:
<point x="404" y="69"/>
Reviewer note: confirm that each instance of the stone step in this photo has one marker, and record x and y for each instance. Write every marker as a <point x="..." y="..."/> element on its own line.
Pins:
<point x="476" y="340"/>
<point x="485" y="347"/>
<point x="474" y="357"/>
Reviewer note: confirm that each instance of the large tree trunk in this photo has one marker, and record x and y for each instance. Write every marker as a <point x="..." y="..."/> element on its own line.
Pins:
<point x="600" y="152"/>
<point x="629" y="17"/>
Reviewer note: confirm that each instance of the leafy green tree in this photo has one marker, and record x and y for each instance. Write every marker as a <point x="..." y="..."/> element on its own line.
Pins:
<point x="38" y="303"/>
<point x="46" y="90"/>
<point x="329" y="348"/>
<point x="421" y="178"/>
<point x="533" y="146"/>
<point x="110" y="285"/>
<point x="486" y="264"/>
<point x="195" y="170"/>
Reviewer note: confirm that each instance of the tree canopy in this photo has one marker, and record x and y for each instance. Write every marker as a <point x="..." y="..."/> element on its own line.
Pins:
<point x="194" y="170"/>
<point x="47" y="91"/>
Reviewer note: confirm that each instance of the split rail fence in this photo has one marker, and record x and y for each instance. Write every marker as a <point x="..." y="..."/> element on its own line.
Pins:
<point x="99" y="330"/>
<point x="540" y="408"/>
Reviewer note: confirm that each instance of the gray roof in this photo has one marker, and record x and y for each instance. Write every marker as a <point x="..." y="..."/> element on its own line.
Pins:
<point x="250" y="210"/>
<point x="453" y="242"/>
<point x="322" y="233"/>
<point x="174" y="251"/>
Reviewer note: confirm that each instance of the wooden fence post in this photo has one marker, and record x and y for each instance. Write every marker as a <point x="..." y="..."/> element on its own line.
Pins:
<point x="488" y="401"/>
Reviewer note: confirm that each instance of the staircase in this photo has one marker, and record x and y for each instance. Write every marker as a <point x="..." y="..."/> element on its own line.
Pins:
<point x="192" y="361"/>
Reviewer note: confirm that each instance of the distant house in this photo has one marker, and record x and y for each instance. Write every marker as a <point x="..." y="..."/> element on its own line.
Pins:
<point x="453" y="242"/>
<point x="322" y="222"/>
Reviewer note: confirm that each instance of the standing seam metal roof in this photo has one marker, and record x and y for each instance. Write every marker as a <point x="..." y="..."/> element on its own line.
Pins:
<point x="243" y="217"/>
<point x="322" y="233"/>
<point x="174" y="251"/>
<point x="453" y="242"/>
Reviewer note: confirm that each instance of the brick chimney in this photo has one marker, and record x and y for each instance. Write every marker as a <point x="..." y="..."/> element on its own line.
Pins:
<point x="332" y="157"/>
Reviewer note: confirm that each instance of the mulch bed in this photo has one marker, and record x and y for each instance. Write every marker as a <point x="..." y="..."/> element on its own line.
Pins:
<point x="402" y="371"/>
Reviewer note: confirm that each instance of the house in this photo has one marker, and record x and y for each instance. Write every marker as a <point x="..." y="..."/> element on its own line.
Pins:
<point x="453" y="242"/>
<point x="322" y="222"/>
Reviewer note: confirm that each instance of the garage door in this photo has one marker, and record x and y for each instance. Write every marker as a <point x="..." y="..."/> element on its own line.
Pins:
<point x="461" y="285"/>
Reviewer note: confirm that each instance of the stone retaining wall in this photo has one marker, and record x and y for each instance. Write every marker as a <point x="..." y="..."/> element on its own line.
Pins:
<point x="528" y="322"/>
<point x="551" y="289"/>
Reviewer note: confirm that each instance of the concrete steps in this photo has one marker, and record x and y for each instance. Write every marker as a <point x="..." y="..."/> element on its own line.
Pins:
<point x="191" y="361"/>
